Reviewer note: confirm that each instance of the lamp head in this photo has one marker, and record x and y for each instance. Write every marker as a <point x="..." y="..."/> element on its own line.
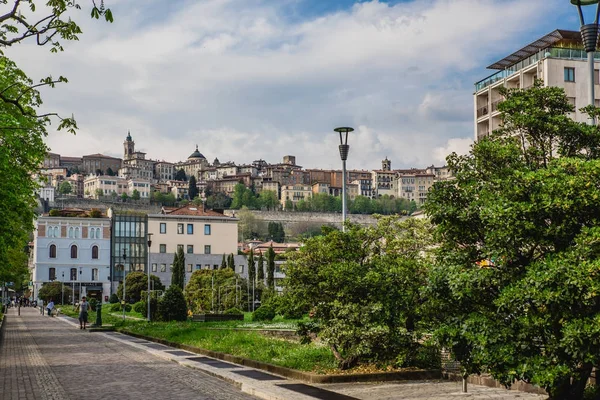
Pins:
<point x="584" y="2"/>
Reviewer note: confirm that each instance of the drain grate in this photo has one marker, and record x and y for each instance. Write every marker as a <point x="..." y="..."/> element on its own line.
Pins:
<point x="315" y="392"/>
<point x="179" y="353"/>
<point x="259" y="376"/>
<point x="213" y="363"/>
<point x="155" y="346"/>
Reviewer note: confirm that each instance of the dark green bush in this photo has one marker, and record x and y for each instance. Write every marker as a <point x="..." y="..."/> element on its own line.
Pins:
<point x="140" y="307"/>
<point x="233" y="311"/>
<point x="172" y="306"/>
<point x="263" y="313"/>
<point x="115" y="307"/>
<point x="113" y="299"/>
<point x="93" y="304"/>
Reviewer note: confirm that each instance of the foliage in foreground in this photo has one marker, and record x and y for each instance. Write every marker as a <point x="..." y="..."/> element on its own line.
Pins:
<point x="516" y="287"/>
<point x="363" y="287"/>
<point x="171" y="306"/>
<point x="135" y="283"/>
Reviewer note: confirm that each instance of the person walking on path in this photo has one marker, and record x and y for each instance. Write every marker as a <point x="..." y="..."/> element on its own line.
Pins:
<point x="50" y="307"/>
<point x="83" y="312"/>
<point x="41" y="304"/>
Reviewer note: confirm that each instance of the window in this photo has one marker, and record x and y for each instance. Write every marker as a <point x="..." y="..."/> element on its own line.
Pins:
<point x="198" y="266"/>
<point x="76" y="232"/>
<point x="94" y="274"/>
<point x="163" y="227"/>
<point x="241" y="269"/>
<point x="163" y="248"/>
<point x="207" y="249"/>
<point x="571" y="100"/>
<point x="71" y="232"/>
<point x="190" y="229"/>
<point x="569" y="74"/>
<point x="56" y="232"/>
<point x="163" y="267"/>
<point x="51" y="274"/>
<point x="52" y="251"/>
<point x="95" y="252"/>
<point x="73" y="251"/>
<point x="154" y="267"/>
<point x="207" y="229"/>
<point x="73" y="274"/>
<point x="180" y="229"/>
<point x="190" y="249"/>
<point x="189" y="268"/>
<point x="179" y="247"/>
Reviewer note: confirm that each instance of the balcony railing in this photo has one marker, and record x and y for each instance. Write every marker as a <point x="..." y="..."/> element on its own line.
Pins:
<point x="482" y="111"/>
<point x="495" y="105"/>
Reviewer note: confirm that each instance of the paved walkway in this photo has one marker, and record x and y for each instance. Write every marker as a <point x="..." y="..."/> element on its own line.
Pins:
<point x="50" y="358"/>
<point x="45" y="358"/>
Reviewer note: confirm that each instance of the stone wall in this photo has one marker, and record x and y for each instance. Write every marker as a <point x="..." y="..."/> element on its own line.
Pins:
<point x="289" y="219"/>
<point x="105" y="205"/>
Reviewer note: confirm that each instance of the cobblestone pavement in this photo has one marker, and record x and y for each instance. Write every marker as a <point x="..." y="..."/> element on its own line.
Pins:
<point x="432" y="390"/>
<point x="44" y="358"/>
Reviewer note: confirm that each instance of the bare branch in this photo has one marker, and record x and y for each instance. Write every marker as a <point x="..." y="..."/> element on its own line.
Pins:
<point x="11" y="13"/>
<point x="30" y="88"/>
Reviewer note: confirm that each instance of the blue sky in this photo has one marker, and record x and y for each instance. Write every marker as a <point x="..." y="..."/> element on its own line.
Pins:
<point x="250" y="79"/>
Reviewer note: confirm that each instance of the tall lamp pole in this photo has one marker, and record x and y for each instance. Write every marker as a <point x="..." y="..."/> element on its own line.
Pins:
<point x="344" y="149"/>
<point x="149" y="244"/>
<point x="124" y="303"/>
<point x="589" y="36"/>
<point x="62" y="289"/>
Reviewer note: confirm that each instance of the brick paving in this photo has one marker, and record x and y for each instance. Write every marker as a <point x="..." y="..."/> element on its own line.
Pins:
<point x="44" y="358"/>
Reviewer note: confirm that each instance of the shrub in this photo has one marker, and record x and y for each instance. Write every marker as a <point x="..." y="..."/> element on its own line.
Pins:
<point x="172" y="306"/>
<point x="263" y="313"/>
<point x="115" y="307"/>
<point x="233" y="311"/>
<point x="140" y="307"/>
<point x="113" y="298"/>
<point x="54" y="213"/>
<point x="95" y="213"/>
<point x="93" y="304"/>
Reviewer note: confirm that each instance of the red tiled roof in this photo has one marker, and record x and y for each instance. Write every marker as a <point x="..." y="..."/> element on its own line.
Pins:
<point x="195" y="211"/>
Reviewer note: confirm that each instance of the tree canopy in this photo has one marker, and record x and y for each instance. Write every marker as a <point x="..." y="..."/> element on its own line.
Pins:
<point x="515" y="289"/>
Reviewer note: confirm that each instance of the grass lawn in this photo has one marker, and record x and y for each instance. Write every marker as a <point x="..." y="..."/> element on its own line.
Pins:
<point x="304" y="357"/>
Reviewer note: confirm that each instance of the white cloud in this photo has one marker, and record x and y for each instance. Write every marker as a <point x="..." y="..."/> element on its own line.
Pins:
<point x="244" y="81"/>
<point x="460" y="146"/>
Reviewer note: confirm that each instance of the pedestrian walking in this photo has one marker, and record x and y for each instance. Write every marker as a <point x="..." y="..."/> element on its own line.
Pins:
<point x="83" y="312"/>
<point x="41" y="303"/>
<point x="50" y="307"/>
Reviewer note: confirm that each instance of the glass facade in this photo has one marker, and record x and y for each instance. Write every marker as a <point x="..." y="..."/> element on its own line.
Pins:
<point x="129" y="237"/>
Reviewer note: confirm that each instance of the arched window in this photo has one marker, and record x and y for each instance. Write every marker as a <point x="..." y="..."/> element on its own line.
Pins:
<point x="71" y="232"/>
<point x="49" y="232"/>
<point x="98" y="233"/>
<point x="56" y="232"/>
<point x="73" y="274"/>
<point x="52" y="251"/>
<point x="73" y="251"/>
<point x="76" y="232"/>
<point x="95" y="252"/>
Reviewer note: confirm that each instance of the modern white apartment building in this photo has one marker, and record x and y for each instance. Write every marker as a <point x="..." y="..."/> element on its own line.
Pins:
<point x="558" y="59"/>
<point x="73" y="248"/>
<point x="106" y="185"/>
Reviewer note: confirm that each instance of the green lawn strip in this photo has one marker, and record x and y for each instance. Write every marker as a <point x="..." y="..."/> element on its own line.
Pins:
<point x="245" y="344"/>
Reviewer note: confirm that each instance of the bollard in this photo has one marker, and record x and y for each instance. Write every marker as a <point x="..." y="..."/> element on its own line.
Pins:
<point x="19" y="310"/>
<point x="99" y="313"/>
<point x="464" y="384"/>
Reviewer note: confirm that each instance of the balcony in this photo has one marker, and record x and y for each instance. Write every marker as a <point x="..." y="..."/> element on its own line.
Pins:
<point x="498" y="76"/>
<point x="495" y="105"/>
<point x="482" y="111"/>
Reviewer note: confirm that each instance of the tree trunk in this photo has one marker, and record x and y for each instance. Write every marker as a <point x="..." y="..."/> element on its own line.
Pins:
<point x="572" y="388"/>
<point x="343" y="363"/>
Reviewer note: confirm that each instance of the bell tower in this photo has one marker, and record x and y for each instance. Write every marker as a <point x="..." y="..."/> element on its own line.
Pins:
<point x="386" y="165"/>
<point x="128" y="147"/>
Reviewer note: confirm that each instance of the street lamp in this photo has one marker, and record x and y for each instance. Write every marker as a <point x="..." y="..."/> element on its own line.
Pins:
<point x="148" y="294"/>
<point x="62" y="289"/>
<point x="124" y="304"/>
<point x="589" y="36"/>
<point x="344" y="149"/>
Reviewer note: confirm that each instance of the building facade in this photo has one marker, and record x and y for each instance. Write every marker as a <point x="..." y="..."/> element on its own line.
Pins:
<point x="74" y="250"/>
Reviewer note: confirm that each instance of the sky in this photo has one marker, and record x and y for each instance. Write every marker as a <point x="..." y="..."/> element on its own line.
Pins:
<point x="260" y="79"/>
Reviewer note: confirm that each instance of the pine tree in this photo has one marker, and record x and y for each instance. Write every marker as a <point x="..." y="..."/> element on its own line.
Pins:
<point x="231" y="262"/>
<point x="192" y="188"/>
<point x="271" y="268"/>
<point x="260" y="275"/>
<point x="178" y="269"/>
<point x="223" y="262"/>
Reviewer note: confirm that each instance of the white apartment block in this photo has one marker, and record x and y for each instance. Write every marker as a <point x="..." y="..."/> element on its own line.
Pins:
<point x="295" y="193"/>
<point x="72" y="250"/>
<point x="109" y="184"/>
<point x="557" y="58"/>
<point x="414" y="185"/>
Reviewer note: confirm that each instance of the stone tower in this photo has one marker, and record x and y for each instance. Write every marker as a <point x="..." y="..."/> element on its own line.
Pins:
<point x="128" y="147"/>
<point x="386" y="165"/>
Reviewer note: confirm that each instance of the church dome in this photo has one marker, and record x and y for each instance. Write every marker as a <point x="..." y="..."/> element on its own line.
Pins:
<point x="196" y="154"/>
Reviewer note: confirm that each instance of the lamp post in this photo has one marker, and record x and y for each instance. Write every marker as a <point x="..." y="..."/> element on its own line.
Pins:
<point x="62" y="290"/>
<point x="589" y="36"/>
<point x="80" y="284"/>
<point x="344" y="149"/>
<point x="149" y="244"/>
<point x="123" y="303"/>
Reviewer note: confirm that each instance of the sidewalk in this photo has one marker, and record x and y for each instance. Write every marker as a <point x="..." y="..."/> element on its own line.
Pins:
<point x="39" y="352"/>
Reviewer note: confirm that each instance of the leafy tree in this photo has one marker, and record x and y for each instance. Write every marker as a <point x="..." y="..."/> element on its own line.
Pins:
<point x="110" y="172"/>
<point x="271" y="268"/>
<point x="172" y="305"/>
<point x="99" y="172"/>
<point x="413" y="207"/>
<point x="276" y="232"/>
<point x="268" y="199"/>
<point x="289" y="206"/>
<point x="202" y="290"/>
<point x="515" y="289"/>
<point x="124" y="196"/>
<point x="218" y="200"/>
<point x="223" y="262"/>
<point x="65" y="188"/>
<point x="192" y="188"/>
<point x="251" y="267"/>
<point x="364" y="286"/>
<point x="99" y="193"/>
<point x="178" y="269"/>
<point x="54" y="290"/>
<point x="135" y="195"/>
<point x="113" y="195"/>
<point x="180" y="175"/>
<point x="249" y="226"/>
<point x="361" y="205"/>
<point x="260" y="274"/>
<point x="135" y="283"/>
